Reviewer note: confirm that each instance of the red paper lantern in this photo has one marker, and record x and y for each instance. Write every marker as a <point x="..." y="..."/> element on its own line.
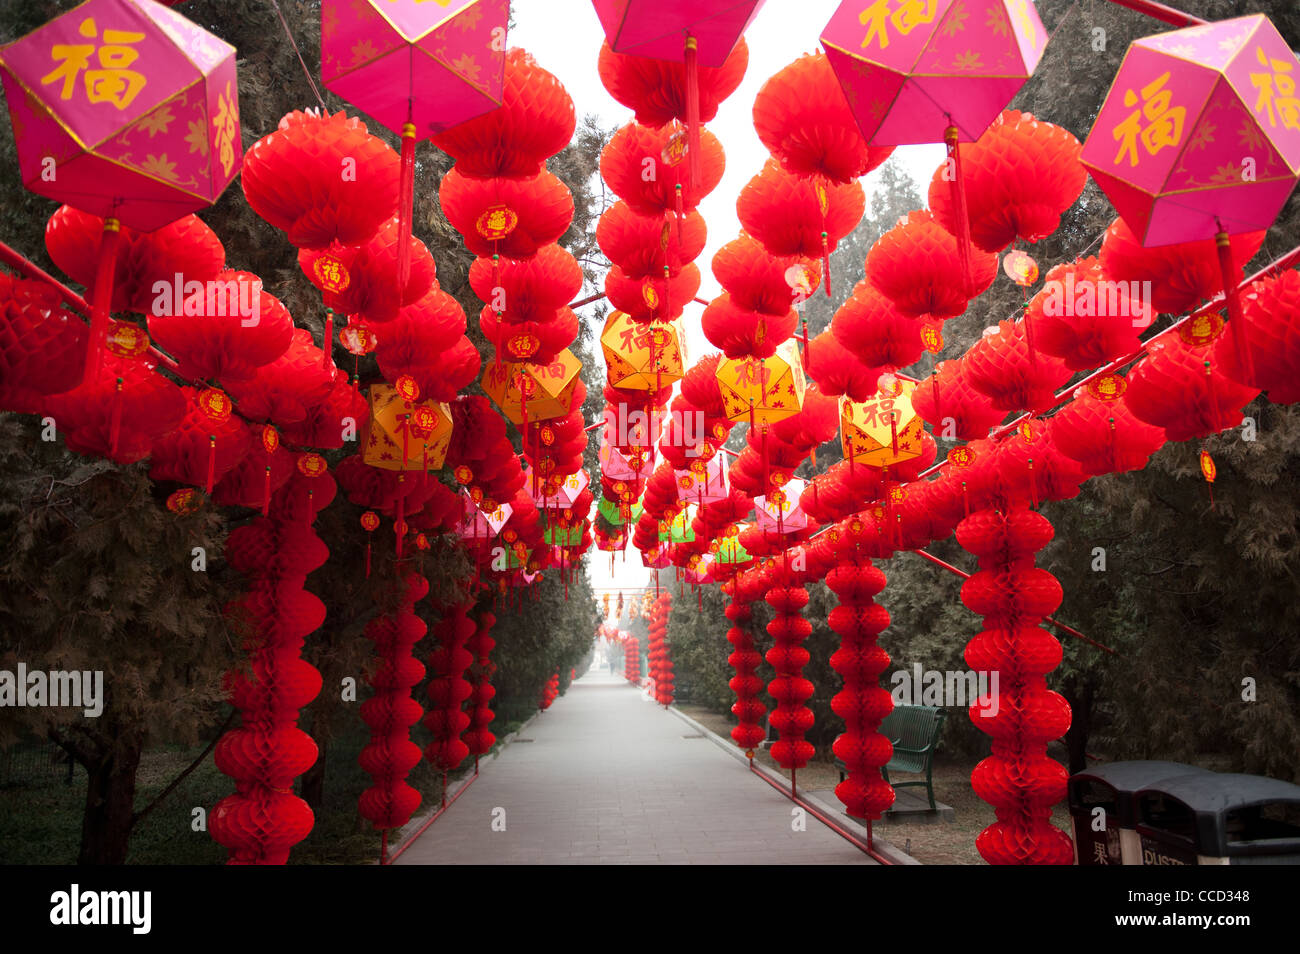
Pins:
<point x="644" y="245"/>
<point x="1181" y="276"/>
<point x="226" y="331"/>
<point x="803" y="119"/>
<point x="657" y="89"/>
<point x="741" y="333"/>
<point x="790" y="215"/>
<point x="505" y="216"/>
<point x="361" y="280"/>
<point x="185" y="247"/>
<point x="285" y="389"/>
<point x="1021" y="174"/>
<point x="1271" y="314"/>
<point x="875" y="331"/>
<point x="1002" y="367"/>
<point x="1098" y="430"/>
<point x="42" y="346"/>
<point x="760" y="281"/>
<point x="528" y="290"/>
<point x="862" y="703"/>
<point x="322" y="179"/>
<point x="1177" y="387"/>
<point x="120" y="410"/>
<point x="913" y="264"/>
<point x="535" y="121"/>
<point x="647" y="169"/>
<point x="952" y="406"/>
<point x="1021" y="715"/>
<point x="1085" y="320"/>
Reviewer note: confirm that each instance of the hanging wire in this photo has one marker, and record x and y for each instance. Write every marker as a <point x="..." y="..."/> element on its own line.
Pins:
<point x="294" y="43"/>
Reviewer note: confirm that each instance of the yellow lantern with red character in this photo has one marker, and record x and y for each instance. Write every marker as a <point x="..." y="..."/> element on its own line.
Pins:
<point x="883" y="430"/>
<point x="403" y="434"/>
<point x="532" y="392"/>
<point x="643" y="357"/>
<point x="763" y="390"/>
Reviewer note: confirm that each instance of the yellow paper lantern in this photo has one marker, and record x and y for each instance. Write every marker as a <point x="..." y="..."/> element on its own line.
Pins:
<point x="643" y="357"/>
<point x="884" y="430"/>
<point x="763" y="390"/>
<point x="532" y="392"/>
<point x="423" y="426"/>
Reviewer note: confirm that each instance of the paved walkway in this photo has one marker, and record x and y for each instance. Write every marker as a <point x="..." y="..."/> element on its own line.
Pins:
<point x="611" y="778"/>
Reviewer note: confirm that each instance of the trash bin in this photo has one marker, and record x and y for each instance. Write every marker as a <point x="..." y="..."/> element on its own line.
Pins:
<point x="1111" y="788"/>
<point x="1213" y="819"/>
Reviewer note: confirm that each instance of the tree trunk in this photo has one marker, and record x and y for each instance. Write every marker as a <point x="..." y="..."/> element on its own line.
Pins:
<point x="313" y="780"/>
<point x="110" y="802"/>
<point x="1076" y="738"/>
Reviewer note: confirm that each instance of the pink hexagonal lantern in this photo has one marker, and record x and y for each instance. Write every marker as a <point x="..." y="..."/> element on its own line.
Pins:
<point x="477" y="525"/>
<point x="911" y="69"/>
<point x="417" y="67"/>
<point x="126" y="110"/>
<point x="1199" y="138"/>
<point x="703" y="481"/>
<point x="1200" y="132"/>
<point x="431" y="64"/>
<point x="780" y="512"/>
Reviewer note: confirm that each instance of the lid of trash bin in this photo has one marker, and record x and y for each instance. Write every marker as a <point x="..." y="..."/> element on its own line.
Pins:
<point x="1222" y="804"/>
<point x="1123" y="779"/>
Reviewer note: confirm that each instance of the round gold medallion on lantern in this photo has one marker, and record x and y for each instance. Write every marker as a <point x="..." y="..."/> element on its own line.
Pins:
<point x="532" y="392"/>
<point x="883" y="430"/>
<point x="643" y="357"/>
<point x="763" y="390"/>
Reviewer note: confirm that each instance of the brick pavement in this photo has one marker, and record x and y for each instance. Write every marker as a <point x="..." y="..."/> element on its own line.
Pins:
<point x="609" y="778"/>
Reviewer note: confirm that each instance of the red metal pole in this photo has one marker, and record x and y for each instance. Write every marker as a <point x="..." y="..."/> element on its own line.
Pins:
<point x="1057" y="623"/>
<point x="1160" y="12"/>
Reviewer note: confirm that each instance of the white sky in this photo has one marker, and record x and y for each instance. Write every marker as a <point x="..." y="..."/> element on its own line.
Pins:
<point x="565" y="37"/>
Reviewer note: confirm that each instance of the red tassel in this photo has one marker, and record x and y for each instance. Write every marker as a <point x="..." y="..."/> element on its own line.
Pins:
<point x="102" y="299"/>
<point x="367" y="560"/>
<point x="212" y="461"/>
<point x="957" y="188"/>
<point x="115" y="421"/>
<point x="1231" y="276"/>
<point x="826" y="264"/>
<point x="807" y="358"/>
<point x="266" y="490"/>
<point x="690" y="56"/>
<point x="1033" y="485"/>
<point x="681" y="214"/>
<point x="405" y="206"/>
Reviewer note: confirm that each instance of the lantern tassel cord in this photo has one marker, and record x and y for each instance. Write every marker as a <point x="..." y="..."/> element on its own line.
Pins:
<point x="406" y="205"/>
<point x="102" y="296"/>
<point x="690" y="58"/>
<point x="957" y="188"/>
<point x="1231" y="277"/>
<point x="294" y="43"/>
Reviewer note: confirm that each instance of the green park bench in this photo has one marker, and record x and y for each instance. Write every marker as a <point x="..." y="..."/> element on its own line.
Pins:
<point x="914" y="731"/>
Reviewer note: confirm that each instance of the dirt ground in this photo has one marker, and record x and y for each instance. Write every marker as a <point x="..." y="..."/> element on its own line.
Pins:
<point x="937" y="843"/>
